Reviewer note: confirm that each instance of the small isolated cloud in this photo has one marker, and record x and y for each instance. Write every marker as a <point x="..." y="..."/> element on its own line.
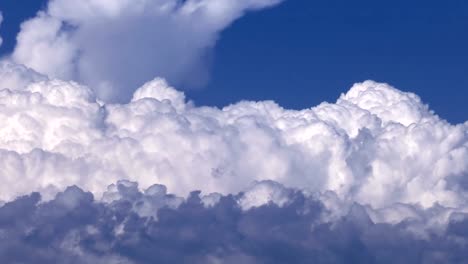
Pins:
<point x="116" y="46"/>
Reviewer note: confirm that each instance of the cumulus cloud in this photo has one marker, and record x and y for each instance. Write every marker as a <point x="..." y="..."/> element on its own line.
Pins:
<point x="360" y="180"/>
<point x="74" y="228"/>
<point x="376" y="145"/>
<point x="115" y="46"/>
<point x="16" y="77"/>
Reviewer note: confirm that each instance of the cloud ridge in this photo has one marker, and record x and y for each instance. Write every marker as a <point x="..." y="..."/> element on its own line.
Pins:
<point x="376" y="145"/>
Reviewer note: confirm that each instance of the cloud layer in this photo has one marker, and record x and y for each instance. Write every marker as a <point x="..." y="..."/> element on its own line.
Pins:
<point x="356" y="181"/>
<point x="376" y="145"/>
<point x="142" y="227"/>
<point x="115" y="46"/>
<point x="96" y="170"/>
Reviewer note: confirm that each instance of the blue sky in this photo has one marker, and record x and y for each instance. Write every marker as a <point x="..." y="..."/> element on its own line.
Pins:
<point x="304" y="52"/>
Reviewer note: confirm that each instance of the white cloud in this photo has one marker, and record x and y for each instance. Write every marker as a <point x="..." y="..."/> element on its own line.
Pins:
<point x="17" y="77"/>
<point x="377" y="155"/>
<point x="115" y="46"/>
<point x="260" y="193"/>
<point x="376" y="145"/>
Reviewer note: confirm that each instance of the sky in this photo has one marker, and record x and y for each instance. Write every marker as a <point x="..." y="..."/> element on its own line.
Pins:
<point x="233" y="131"/>
<point x="301" y="53"/>
<point x="305" y="52"/>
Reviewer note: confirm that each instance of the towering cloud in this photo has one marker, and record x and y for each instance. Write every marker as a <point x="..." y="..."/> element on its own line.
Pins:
<point x="115" y="46"/>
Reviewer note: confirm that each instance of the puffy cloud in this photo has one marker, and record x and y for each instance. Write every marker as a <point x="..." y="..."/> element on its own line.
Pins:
<point x="16" y="77"/>
<point x="360" y="180"/>
<point x="265" y="192"/>
<point x="376" y="145"/>
<point x="115" y="46"/>
<point x="74" y="228"/>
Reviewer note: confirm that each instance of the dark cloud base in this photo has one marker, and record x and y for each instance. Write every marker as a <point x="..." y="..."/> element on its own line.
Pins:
<point x="75" y="228"/>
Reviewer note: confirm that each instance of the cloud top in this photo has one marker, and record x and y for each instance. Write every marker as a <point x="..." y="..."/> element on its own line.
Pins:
<point x="116" y="46"/>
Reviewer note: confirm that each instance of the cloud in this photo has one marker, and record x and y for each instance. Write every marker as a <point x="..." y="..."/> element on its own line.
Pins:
<point x="75" y="228"/>
<point x="360" y="180"/>
<point x="116" y="46"/>
<point x="146" y="174"/>
<point x="376" y="145"/>
<point x="17" y="77"/>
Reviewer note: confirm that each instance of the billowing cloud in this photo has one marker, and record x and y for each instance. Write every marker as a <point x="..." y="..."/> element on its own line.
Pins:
<point x="376" y="145"/>
<point x="116" y="46"/>
<point x="147" y="175"/>
<point x="17" y="77"/>
<point x="360" y="180"/>
<point x="75" y="228"/>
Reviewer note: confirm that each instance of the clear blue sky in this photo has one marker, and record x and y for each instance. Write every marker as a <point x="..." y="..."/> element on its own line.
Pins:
<point x="304" y="52"/>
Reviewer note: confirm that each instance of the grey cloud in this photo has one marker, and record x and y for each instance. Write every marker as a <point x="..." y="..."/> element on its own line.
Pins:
<point x="75" y="228"/>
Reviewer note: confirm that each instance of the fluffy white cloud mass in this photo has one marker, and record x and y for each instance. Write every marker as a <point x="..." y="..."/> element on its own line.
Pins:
<point x="376" y="145"/>
<point x="356" y="181"/>
<point x="375" y="172"/>
<point x="115" y="46"/>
